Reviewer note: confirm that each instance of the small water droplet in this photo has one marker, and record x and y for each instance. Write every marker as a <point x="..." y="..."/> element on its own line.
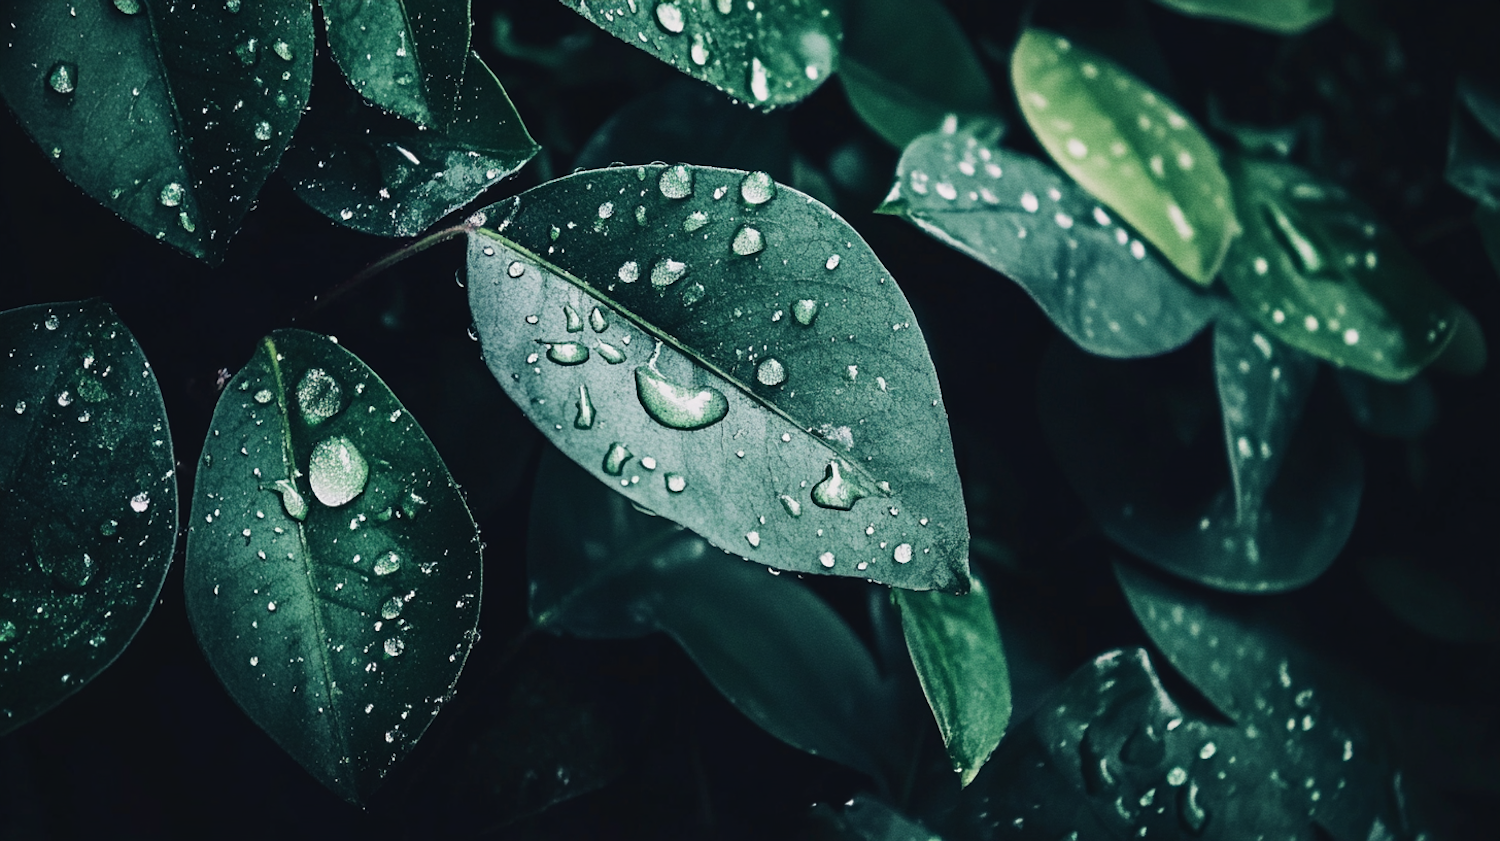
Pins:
<point x="826" y="559"/>
<point x="283" y="50"/>
<point x="676" y="182"/>
<point x="669" y="15"/>
<point x="262" y="130"/>
<point x="247" y="51"/>
<point x="666" y="272"/>
<point x="319" y="396"/>
<point x="693" y="294"/>
<point x="50" y="322"/>
<point x="757" y="188"/>
<point x="748" y="241"/>
<point x="834" y="491"/>
<point x="676" y="483"/>
<point x="393" y="648"/>
<point x="387" y="563"/>
<point x="516" y="269"/>
<point x="770" y="371"/>
<point x="760" y="86"/>
<point x="140" y="502"/>
<point x="805" y="311"/>
<point x="615" y="458"/>
<point x="337" y="472"/>
<point x="833" y="263"/>
<point x="585" y="418"/>
<point x="792" y="506"/>
<point x="263" y="396"/>
<point x="597" y="321"/>
<point x="392" y="608"/>
<point x="902" y="554"/>
<point x="753" y="537"/>
<point x="574" y="320"/>
<point x="699" y="51"/>
<point x="171" y="195"/>
<point x="611" y="354"/>
<point x="676" y="406"/>
<point x="64" y="77"/>
<point x="270" y="607"/>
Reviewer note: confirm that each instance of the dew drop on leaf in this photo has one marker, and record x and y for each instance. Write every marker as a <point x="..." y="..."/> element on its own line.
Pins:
<point x="387" y="563"/>
<point x="64" y="77"/>
<point x="757" y="188"/>
<point x="585" y="418"/>
<point x="392" y="608"/>
<point x="171" y="195"/>
<point x="573" y="319"/>
<point x="669" y="15"/>
<point x="834" y="491"/>
<point x="771" y="371"/>
<point x="337" y="472"/>
<point x="615" y="458"/>
<point x="676" y="406"/>
<point x="319" y="396"/>
<point x="748" y="241"/>
<point x="676" y="483"/>
<point x="666" y="272"/>
<point x="805" y="311"/>
<point x="568" y="353"/>
<point x="676" y="182"/>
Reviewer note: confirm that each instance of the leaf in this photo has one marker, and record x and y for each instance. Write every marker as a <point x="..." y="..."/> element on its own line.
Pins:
<point x="1488" y="222"/>
<point x="406" y="56"/>
<point x="765" y="57"/>
<point x="1013" y="213"/>
<point x="1474" y="143"/>
<point x="906" y="64"/>
<point x="332" y="571"/>
<point x="1316" y="270"/>
<point x="1397" y="410"/>
<point x="955" y="647"/>
<point x="1445" y="604"/>
<point x="172" y="115"/>
<point x="1286" y="17"/>
<point x="386" y="176"/>
<point x="779" y="653"/>
<point x="1142" y="452"/>
<point x="1130" y="147"/>
<point x="88" y="500"/>
<point x="863" y="818"/>
<point x="728" y="353"/>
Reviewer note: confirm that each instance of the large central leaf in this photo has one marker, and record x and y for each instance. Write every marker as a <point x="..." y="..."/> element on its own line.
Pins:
<point x="727" y="352"/>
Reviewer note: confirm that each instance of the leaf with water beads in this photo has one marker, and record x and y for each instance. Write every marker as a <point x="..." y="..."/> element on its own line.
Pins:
<point x="407" y="56"/>
<point x="769" y="391"/>
<point x="767" y="57"/>
<point x="332" y="573"/>
<point x="89" y="519"/>
<point x="1089" y="273"/>
<point x="1130" y="147"/>
<point x="1286" y="17"/>
<point x="170" y="115"/>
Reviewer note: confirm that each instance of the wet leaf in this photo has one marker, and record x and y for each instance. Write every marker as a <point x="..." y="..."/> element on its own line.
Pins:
<point x="1130" y="147"/>
<point x="1474" y="143"/>
<point x="955" y="647"/>
<point x="88" y="500"/>
<point x="332" y="570"/>
<point x="1397" y="410"/>
<point x="767" y="57"/>
<point x="407" y="56"/>
<point x="171" y="115"/>
<point x="1316" y="270"/>
<point x="906" y="65"/>
<point x="729" y="353"/>
<point x="385" y="175"/>
<point x="1141" y="450"/>
<point x="864" y="818"/>
<point x="778" y="652"/>
<point x="1287" y="17"/>
<point x="1090" y="275"/>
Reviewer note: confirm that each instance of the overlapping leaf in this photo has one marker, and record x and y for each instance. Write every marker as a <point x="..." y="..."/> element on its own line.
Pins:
<point x="88" y="500"/>
<point x="1399" y="410"/>
<point x="406" y="56"/>
<point x="332" y="571"/>
<point x="1474" y="143"/>
<point x="1287" y="17"/>
<point x="729" y="353"/>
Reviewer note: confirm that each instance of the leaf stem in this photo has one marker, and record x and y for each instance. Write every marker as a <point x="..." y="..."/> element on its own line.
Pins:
<point x="319" y="302"/>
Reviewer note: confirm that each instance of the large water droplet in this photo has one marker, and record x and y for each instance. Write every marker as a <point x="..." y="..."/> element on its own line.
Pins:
<point x="667" y="272"/>
<point x="567" y="353"/>
<point x="694" y="221"/>
<point x="140" y="502"/>
<point x="319" y="396"/>
<point x="283" y="50"/>
<point x="629" y="271"/>
<point x="574" y="320"/>
<point x="387" y="563"/>
<point x="597" y="321"/>
<point x="394" y="646"/>
<point x="760" y="86"/>
<point x="336" y="471"/>
<point x="835" y="492"/>
<point x="805" y="311"/>
<point x="770" y="371"/>
<point x="291" y="499"/>
<point x="676" y="483"/>
<point x="699" y="51"/>
<point x="757" y="188"/>
<point x="611" y="354"/>
<point x="263" y="130"/>
<point x="392" y="608"/>
<point x="171" y="195"/>
<point x="669" y="15"/>
<point x="615" y="458"/>
<point x="748" y="241"/>
<point x="64" y="77"/>
<point x="585" y="418"/>
<point x="51" y="322"/>
<point x="677" y="406"/>
<point x="676" y="182"/>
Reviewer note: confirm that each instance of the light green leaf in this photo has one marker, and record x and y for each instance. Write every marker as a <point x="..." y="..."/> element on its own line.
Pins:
<point x="1015" y="214"/>
<point x="1316" y="270"/>
<point x="729" y="353"/>
<point x="1287" y="17"/>
<point x="1130" y="147"/>
<point x="767" y="57"/>
<point x="906" y="65"/>
<point x="88" y="500"/>
<point x="406" y="56"/>
<point x="170" y="114"/>
<point x="384" y="175"/>
<point x="955" y="647"/>
<point x="332" y="570"/>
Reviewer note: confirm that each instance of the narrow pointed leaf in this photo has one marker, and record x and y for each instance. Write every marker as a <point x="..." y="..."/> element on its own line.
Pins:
<point x="729" y="353"/>
<point x="385" y="175"/>
<point x="170" y="114"/>
<point x="1287" y="17"/>
<point x="88" y="500"/>
<point x="1093" y="278"/>
<point x="332" y="570"/>
<point x="768" y="56"/>
<point x="1318" y="271"/>
<point x="955" y="647"/>
<point x="406" y="56"/>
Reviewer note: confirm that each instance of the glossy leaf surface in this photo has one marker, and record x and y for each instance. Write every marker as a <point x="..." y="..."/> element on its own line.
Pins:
<point x="332" y="571"/>
<point x="88" y="500"/>
<point x="406" y="56"/>
<point x="172" y="115"/>
<point x="955" y="647"/>
<point x="1316" y="270"/>
<point x="767" y="55"/>
<point x="1092" y="277"/>
<point x="1287" y="17"/>
<point x="729" y="353"/>
<point x="1130" y="147"/>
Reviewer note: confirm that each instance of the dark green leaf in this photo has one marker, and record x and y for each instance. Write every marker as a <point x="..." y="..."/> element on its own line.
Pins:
<point x="955" y="647"/>
<point x="1099" y="285"/>
<point x="332" y="569"/>
<point x="88" y="500"/>
<point x="769" y="56"/>
<point x="1488" y="222"/>
<point x="1287" y="17"/>
<point x="386" y="176"/>
<point x="729" y="353"/>
<point x="171" y="114"/>
<point x="1130" y="147"/>
<point x="1436" y="601"/>
<point x="1474" y="143"/>
<point x="1316" y="270"/>
<point x="406" y="56"/>
<point x="1398" y="410"/>
<point x="864" y="818"/>
<point x="906" y="65"/>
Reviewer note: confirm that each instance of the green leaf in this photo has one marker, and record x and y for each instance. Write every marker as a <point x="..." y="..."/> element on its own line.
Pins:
<point x="384" y="175"/>
<point x="955" y="647"/>
<point x="1445" y="604"/>
<point x="88" y="500"/>
<point x="332" y="569"/>
<point x="1474" y="143"/>
<point x="906" y="64"/>
<point x="1488" y="222"/>
<point x="1286" y="17"/>
<point x="1130" y="147"/>
<point x="1141" y="450"/>
<point x="171" y="114"/>
<point x="766" y="57"/>
<point x="776" y="650"/>
<point x="406" y="56"/>
<point x="1316" y="270"/>
<point x="863" y="818"/>
<point x="729" y="353"/>
<point x="1396" y="410"/>
<point x="1013" y="213"/>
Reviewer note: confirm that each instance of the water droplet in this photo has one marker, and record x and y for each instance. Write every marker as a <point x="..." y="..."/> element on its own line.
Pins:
<point x="51" y="322"/>
<point x="140" y="502"/>
<point x="699" y="51"/>
<point x="805" y="311"/>
<point x="676" y="483"/>
<point x="792" y="506"/>
<point x="392" y="608"/>
<point x="585" y="418"/>
<point x="263" y="396"/>
<point x="247" y="51"/>
<point x="676" y="406"/>
<point x="753" y="537"/>
<point x="574" y="320"/>
<point x="669" y="15"/>
<point x="666" y="272"/>
<point x="1176" y="777"/>
<point x="128" y="7"/>
<point x="902" y="554"/>
<point x="171" y="195"/>
<point x="833" y="263"/>
<point x="568" y="353"/>
<point x="336" y="471"/>
<point x="748" y="241"/>
<point x="64" y="77"/>
<point x="693" y="294"/>
<point x="834" y="491"/>
<point x="757" y="188"/>
<point x="770" y="371"/>
<point x="108" y="527"/>
<point x="611" y="354"/>
<point x="760" y="86"/>
<point x="615" y="458"/>
<point x="262" y="130"/>
<point x="1194" y="817"/>
<point x="319" y="396"/>
<point x="597" y="321"/>
<point x="694" y="221"/>
<point x="516" y="269"/>
<point x="393" y="648"/>
<point x="387" y="563"/>
<point x="283" y="50"/>
<point x="65" y="398"/>
<point x="8" y="631"/>
<point x="1207" y="751"/>
<point x="826" y="559"/>
<point x="629" y="271"/>
<point x="270" y="607"/>
<point x="676" y="182"/>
